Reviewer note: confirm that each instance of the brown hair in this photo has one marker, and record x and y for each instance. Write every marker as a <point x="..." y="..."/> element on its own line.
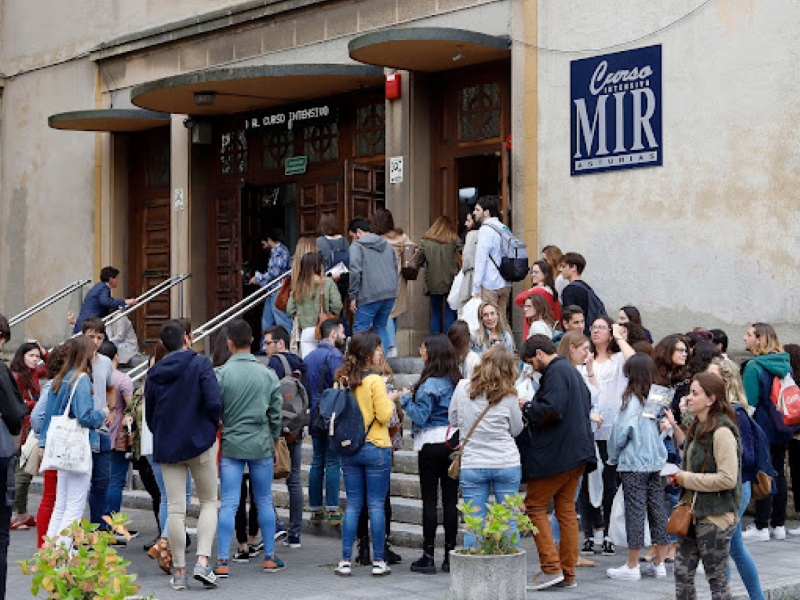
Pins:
<point x="305" y="245"/>
<point x="329" y="225"/>
<point x="553" y="255"/>
<point x="766" y="339"/>
<point x="443" y="231"/>
<point x="641" y="373"/>
<point x="79" y="358"/>
<point x="571" y="339"/>
<point x="460" y="337"/>
<point x="5" y="330"/>
<point x="309" y="278"/>
<point x="56" y="359"/>
<point x="713" y="386"/>
<point x="382" y="223"/>
<point x="542" y="308"/>
<point x="495" y="375"/>
<point x="358" y="359"/>
<point x="669" y="373"/>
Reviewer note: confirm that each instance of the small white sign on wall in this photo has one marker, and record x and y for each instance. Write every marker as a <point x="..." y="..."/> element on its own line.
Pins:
<point x="179" y="203"/>
<point x="396" y="169"/>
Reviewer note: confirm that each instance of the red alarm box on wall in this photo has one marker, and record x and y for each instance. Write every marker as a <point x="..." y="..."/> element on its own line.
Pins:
<point x="393" y="85"/>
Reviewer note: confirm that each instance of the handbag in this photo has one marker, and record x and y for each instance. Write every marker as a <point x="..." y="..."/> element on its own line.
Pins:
<point x="29" y="458"/>
<point x="762" y="486"/>
<point x="282" y="299"/>
<point x="67" y="447"/>
<point x="455" y="466"/>
<point x="683" y="514"/>
<point x="323" y="316"/>
<point x="454" y="297"/>
<point x="283" y="462"/>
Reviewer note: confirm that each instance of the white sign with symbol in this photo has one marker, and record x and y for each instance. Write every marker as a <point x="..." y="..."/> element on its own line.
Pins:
<point x="179" y="203"/>
<point x="396" y="169"/>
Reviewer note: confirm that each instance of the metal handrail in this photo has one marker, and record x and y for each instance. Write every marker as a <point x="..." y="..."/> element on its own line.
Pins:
<point x="145" y="297"/>
<point x="222" y="319"/>
<point x="50" y="300"/>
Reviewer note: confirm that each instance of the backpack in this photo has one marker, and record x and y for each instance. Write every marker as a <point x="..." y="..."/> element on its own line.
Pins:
<point x="768" y="415"/>
<point x="334" y="252"/>
<point x="785" y="395"/>
<point x="340" y="410"/>
<point x="295" y="400"/>
<point x="595" y="307"/>
<point x="514" y="258"/>
<point x="317" y="424"/>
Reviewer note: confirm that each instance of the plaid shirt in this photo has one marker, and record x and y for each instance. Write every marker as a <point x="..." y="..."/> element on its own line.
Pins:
<point x="280" y="261"/>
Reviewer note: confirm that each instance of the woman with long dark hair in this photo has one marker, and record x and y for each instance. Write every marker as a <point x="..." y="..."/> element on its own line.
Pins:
<point x="427" y="405"/>
<point x="366" y="473"/>
<point x="538" y="318"/>
<point x="543" y="284"/>
<point x="438" y="253"/>
<point x="461" y="339"/>
<point x="312" y="294"/>
<point x="631" y="314"/>
<point x="712" y="482"/>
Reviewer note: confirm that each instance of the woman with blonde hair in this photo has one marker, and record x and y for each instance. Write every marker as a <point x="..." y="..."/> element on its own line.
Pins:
<point x="492" y="330"/>
<point x="313" y="294"/>
<point x="439" y="254"/>
<point x="488" y="405"/>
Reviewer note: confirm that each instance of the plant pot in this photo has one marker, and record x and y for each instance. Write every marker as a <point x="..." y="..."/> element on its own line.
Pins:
<point x="500" y="577"/>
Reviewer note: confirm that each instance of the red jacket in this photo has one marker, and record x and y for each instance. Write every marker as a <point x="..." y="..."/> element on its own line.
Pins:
<point x="30" y="394"/>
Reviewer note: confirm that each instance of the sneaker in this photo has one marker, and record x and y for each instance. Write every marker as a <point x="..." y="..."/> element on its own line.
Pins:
<point x="380" y="568"/>
<point x="179" y="582"/>
<point x="608" y="548"/>
<point x="625" y="573"/>
<point x="292" y="541"/>
<point x="205" y="575"/>
<point x="241" y="556"/>
<point x="343" y="569"/>
<point x="133" y="533"/>
<point x="701" y="569"/>
<point x="221" y="570"/>
<point x="335" y="517"/>
<point x="794" y="532"/>
<point x="777" y="533"/>
<point x="280" y="533"/>
<point x="588" y="546"/>
<point x="256" y="549"/>
<point x="317" y="517"/>
<point x="273" y="564"/>
<point x="652" y="570"/>
<point x="544" y="580"/>
<point x="754" y="534"/>
<point x="119" y="542"/>
<point x="566" y="584"/>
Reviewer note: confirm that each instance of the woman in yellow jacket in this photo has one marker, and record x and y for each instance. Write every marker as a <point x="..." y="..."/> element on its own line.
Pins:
<point x="369" y="469"/>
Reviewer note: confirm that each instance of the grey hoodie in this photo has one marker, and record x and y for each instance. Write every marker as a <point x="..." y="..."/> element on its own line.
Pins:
<point x="373" y="270"/>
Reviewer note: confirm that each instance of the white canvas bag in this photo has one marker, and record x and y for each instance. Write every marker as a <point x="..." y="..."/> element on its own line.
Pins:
<point x="67" y="447"/>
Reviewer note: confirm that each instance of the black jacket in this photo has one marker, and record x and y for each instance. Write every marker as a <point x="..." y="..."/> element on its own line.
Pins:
<point x="558" y="420"/>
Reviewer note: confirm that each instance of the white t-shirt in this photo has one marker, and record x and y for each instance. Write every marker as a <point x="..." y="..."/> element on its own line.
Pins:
<point x="470" y="362"/>
<point x="102" y="378"/>
<point x="611" y="383"/>
<point x="540" y="328"/>
<point x="561" y="283"/>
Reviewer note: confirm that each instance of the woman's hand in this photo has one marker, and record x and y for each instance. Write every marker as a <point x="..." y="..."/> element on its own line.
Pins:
<point x="522" y="402"/>
<point x="596" y="418"/>
<point x="678" y="478"/>
<point x="393" y="396"/>
<point x="618" y="331"/>
<point x="670" y="418"/>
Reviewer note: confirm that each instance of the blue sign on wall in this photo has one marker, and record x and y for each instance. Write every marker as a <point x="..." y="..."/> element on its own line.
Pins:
<point x="616" y="111"/>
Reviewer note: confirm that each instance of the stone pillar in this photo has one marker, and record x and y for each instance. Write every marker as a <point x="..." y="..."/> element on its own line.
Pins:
<point x="180" y="230"/>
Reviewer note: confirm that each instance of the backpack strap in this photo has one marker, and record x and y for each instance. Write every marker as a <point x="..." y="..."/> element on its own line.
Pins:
<point x="287" y="370"/>
<point x="325" y="371"/>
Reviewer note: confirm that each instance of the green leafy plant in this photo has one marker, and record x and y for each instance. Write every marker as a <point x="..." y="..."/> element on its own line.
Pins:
<point x="88" y="568"/>
<point x="494" y="533"/>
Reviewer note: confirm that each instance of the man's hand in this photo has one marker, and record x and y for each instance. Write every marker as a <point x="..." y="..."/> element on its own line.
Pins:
<point x="130" y="301"/>
<point x="353" y="305"/>
<point x="252" y="281"/>
<point x="71" y="317"/>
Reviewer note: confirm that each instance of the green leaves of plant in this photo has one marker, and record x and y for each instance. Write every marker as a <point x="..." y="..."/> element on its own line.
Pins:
<point x="494" y="533"/>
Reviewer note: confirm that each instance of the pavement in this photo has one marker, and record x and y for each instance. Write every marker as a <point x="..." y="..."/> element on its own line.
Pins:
<point x="309" y="573"/>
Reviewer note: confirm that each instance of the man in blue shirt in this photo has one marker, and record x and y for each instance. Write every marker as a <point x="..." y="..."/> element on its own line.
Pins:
<point x="487" y="283"/>
<point x="280" y="262"/>
<point x="98" y="302"/>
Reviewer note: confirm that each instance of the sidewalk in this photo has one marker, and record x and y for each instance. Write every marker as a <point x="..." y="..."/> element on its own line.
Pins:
<point x="309" y="573"/>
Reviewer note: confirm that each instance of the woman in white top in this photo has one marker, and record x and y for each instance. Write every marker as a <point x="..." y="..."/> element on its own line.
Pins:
<point x="538" y="316"/>
<point x="490" y="459"/>
<point x="460" y="338"/>
<point x="609" y="351"/>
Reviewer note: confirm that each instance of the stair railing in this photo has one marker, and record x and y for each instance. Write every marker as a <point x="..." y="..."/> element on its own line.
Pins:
<point x="49" y="301"/>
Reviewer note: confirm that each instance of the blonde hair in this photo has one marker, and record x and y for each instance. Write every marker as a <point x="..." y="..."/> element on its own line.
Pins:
<point x="571" y="339"/>
<point x="766" y="339"/>
<point x="734" y="389"/>
<point x="483" y="339"/>
<point x="495" y="375"/>
<point x="442" y="231"/>
<point x="305" y="245"/>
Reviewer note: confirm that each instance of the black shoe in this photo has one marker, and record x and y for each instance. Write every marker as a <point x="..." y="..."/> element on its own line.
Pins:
<point x="119" y="542"/>
<point x="241" y="556"/>
<point x="133" y="533"/>
<point x="425" y="564"/>
<point x="588" y="546"/>
<point x="608" y="548"/>
<point x="390" y="556"/>
<point x="446" y="562"/>
<point x="188" y="541"/>
<point x="363" y="557"/>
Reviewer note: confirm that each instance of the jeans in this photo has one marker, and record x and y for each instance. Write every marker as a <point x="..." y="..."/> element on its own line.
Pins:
<point x="434" y="461"/>
<point x="440" y="308"/>
<point x="5" y="528"/>
<point x="324" y="464"/>
<point x="204" y="469"/>
<point x="375" y="315"/>
<point x="295" y="489"/>
<point x="101" y="475"/>
<point x="46" y="505"/>
<point x="371" y="467"/>
<point x="707" y="542"/>
<point x="119" y="475"/>
<point x="163" y="512"/>
<point x="231" y="471"/>
<point x="742" y="557"/>
<point x="71" y="493"/>
<point x="391" y="333"/>
<point x="771" y="511"/>
<point x="272" y="316"/>
<point x="592" y="517"/>
<point x="246" y="521"/>
<point x="476" y="485"/>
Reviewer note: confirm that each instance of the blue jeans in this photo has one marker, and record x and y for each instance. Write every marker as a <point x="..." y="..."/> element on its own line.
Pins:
<point x="163" y="513"/>
<point x="742" y="557"/>
<point x="391" y="333"/>
<point x="324" y="464"/>
<point x="368" y="469"/>
<point x="375" y="315"/>
<point x="119" y="475"/>
<point x="476" y="485"/>
<point x="439" y="308"/>
<point x="230" y="473"/>
<point x="295" y="486"/>
<point x="272" y="316"/>
<point x="101" y="474"/>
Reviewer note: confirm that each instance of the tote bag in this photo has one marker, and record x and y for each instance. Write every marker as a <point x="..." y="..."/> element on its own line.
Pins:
<point x="67" y="447"/>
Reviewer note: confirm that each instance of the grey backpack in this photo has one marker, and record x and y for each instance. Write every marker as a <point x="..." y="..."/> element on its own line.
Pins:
<point x="295" y="400"/>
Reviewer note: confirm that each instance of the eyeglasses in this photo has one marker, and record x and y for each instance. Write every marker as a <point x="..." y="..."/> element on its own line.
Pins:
<point x="268" y="342"/>
<point x="598" y="328"/>
<point x="682" y="350"/>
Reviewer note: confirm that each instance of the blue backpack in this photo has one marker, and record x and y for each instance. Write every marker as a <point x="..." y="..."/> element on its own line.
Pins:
<point x="339" y="410"/>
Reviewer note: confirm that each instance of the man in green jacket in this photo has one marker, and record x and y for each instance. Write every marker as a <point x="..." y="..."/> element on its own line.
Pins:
<point x="251" y="422"/>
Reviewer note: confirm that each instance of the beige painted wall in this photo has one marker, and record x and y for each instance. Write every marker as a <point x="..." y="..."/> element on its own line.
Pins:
<point x="711" y="237"/>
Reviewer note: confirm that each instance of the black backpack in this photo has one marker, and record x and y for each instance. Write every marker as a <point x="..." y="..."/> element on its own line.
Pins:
<point x="345" y="422"/>
<point x="595" y="306"/>
<point x="514" y="258"/>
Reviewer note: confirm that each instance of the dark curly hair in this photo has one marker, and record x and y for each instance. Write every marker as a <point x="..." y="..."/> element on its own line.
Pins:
<point x="358" y="359"/>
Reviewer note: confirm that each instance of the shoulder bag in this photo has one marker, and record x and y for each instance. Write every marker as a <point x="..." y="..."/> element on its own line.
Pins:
<point x="67" y="447"/>
<point x="323" y="316"/>
<point x="683" y="514"/>
<point x="455" y="466"/>
<point x="283" y="462"/>
<point x="282" y="299"/>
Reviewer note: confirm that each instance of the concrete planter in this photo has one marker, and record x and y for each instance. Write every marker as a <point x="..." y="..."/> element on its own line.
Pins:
<point x="501" y="577"/>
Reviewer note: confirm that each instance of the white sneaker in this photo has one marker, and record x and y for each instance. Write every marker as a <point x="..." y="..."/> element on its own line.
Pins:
<point x="651" y="570"/>
<point x="701" y="569"/>
<point x="754" y="534"/>
<point x="794" y="532"/>
<point x="777" y="533"/>
<point x="380" y="568"/>
<point x="343" y="569"/>
<point x="625" y="573"/>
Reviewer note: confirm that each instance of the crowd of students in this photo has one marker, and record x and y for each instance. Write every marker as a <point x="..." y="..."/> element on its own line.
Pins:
<point x="584" y="426"/>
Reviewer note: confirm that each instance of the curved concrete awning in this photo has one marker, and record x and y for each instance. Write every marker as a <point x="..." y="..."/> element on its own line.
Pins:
<point x="428" y="48"/>
<point x="239" y="89"/>
<point x="109" y="119"/>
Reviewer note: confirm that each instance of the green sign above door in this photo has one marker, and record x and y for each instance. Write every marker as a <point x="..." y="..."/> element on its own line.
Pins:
<point x="296" y="165"/>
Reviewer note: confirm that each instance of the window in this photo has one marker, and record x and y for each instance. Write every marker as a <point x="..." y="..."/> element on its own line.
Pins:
<point x="321" y="142"/>
<point x="479" y="112"/>
<point x="158" y="165"/>
<point x="278" y="146"/>
<point x="371" y="130"/>
<point x="233" y="153"/>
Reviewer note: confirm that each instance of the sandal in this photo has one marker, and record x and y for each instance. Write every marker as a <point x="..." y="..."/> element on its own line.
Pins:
<point x="21" y="524"/>
<point x="160" y="551"/>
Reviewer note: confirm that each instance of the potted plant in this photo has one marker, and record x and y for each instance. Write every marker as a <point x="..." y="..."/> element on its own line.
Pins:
<point x="86" y="569"/>
<point x="494" y="568"/>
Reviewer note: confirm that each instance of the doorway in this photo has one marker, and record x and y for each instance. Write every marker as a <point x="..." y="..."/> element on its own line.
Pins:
<point x="477" y="176"/>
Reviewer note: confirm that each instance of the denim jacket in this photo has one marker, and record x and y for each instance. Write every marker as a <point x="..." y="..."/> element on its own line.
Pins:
<point x="635" y="443"/>
<point x="82" y="408"/>
<point x="429" y="406"/>
<point x="39" y="412"/>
